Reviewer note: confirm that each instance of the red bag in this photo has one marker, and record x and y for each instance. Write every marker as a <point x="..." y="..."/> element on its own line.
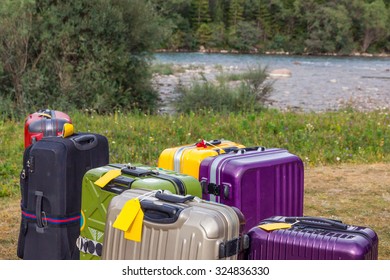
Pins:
<point x="44" y="123"/>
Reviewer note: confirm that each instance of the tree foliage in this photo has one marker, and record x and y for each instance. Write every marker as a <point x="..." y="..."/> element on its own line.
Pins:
<point x="78" y="54"/>
<point x="316" y="26"/>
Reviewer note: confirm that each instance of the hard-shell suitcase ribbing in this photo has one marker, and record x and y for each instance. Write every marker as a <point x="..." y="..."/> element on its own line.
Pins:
<point x="261" y="182"/>
<point x="312" y="238"/>
<point x="51" y="193"/>
<point x="95" y="199"/>
<point x="175" y="227"/>
<point x="186" y="159"/>
<point x="42" y="124"/>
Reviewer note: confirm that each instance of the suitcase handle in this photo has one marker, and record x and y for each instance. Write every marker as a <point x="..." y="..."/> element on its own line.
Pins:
<point x="85" y="142"/>
<point x="173" y="198"/>
<point x="47" y="113"/>
<point x="230" y="149"/>
<point x="38" y="212"/>
<point x="160" y="213"/>
<point x="136" y="172"/>
<point x="317" y="222"/>
<point x="250" y="149"/>
<point x="214" y="142"/>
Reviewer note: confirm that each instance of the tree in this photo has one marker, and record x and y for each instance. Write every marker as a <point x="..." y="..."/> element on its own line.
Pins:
<point x="236" y="12"/>
<point x="375" y="20"/>
<point x="15" y="32"/>
<point x="201" y="13"/>
<point x="175" y="21"/>
<point x="245" y="37"/>
<point x="203" y="34"/>
<point x="330" y="30"/>
<point x="86" y="54"/>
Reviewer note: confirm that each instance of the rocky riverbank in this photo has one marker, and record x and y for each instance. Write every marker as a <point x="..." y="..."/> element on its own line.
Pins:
<point x="289" y="93"/>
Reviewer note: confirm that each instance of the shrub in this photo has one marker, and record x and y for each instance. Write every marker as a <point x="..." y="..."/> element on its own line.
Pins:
<point x="249" y="92"/>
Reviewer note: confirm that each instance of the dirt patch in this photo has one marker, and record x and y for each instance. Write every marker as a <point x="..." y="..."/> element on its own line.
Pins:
<point x="9" y="227"/>
<point x="355" y="194"/>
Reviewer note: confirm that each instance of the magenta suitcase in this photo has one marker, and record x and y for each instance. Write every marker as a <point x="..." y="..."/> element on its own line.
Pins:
<point x="260" y="182"/>
<point x="312" y="238"/>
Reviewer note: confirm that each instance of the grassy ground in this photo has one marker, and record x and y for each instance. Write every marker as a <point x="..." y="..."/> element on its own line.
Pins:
<point x="346" y="154"/>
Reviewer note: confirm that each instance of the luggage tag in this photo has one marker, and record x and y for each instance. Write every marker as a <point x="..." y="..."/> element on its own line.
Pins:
<point x="67" y="130"/>
<point x="106" y="178"/>
<point x="130" y="220"/>
<point x="275" y="226"/>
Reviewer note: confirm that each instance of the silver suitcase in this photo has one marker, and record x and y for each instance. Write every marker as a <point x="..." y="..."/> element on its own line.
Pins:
<point x="176" y="228"/>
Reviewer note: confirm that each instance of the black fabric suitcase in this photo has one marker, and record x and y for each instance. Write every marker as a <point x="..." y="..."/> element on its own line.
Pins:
<point x="51" y="180"/>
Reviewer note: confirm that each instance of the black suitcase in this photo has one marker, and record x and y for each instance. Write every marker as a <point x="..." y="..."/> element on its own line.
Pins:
<point x="51" y="180"/>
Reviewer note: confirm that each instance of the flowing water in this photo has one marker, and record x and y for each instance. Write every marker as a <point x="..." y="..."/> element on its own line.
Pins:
<point x="316" y="83"/>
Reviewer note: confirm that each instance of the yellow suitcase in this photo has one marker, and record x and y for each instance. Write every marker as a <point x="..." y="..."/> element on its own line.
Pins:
<point x="186" y="159"/>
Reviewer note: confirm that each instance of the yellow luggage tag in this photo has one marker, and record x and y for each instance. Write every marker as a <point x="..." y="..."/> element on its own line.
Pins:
<point x="275" y="226"/>
<point x="135" y="230"/>
<point x="106" y="178"/>
<point x="67" y="130"/>
<point x="130" y="220"/>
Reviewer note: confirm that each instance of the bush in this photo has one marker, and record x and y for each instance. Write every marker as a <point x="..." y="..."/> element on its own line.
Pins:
<point x="248" y="95"/>
<point x="78" y="54"/>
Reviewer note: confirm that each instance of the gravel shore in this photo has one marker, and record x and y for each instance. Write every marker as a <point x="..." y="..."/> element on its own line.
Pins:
<point x="300" y="92"/>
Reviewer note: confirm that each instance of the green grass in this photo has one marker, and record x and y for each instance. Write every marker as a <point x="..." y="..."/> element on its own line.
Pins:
<point x="163" y="69"/>
<point x="319" y="139"/>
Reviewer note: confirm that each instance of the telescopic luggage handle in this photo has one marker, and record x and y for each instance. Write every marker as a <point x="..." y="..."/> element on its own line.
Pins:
<point x="317" y="222"/>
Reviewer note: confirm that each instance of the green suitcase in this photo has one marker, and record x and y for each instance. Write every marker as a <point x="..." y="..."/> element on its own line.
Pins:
<point x="95" y="199"/>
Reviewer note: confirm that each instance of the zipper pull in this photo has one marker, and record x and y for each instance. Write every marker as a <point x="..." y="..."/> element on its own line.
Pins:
<point x="23" y="174"/>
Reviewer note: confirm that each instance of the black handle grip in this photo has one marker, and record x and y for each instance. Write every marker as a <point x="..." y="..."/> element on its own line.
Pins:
<point x="230" y="149"/>
<point x="160" y="213"/>
<point x="38" y="211"/>
<point x="317" y="222"/>
<point x="250" y="149"/>
<point x="173" y="198"/>
<point x="85" y="142"/>
<point x="214" y="142"/>
<point x="137" y="172"/>
<point x="255" y="148"/>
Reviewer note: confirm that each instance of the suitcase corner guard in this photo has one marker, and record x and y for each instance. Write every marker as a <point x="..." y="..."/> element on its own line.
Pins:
<point x="234" y="246"/>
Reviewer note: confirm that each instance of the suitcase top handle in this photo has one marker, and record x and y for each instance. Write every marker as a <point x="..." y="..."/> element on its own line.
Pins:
<point x="173" y="198"/>
<point x="247" y="149"/>
<point x="160" y="213"/>
<point x="85" y="142"/>
<point x="47" y="113"/>
<point x="317" y="222"/>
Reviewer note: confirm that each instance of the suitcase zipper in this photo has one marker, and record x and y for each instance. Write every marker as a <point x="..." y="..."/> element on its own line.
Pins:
<point x="141" y="172"/>
<point x="177" y="183"/>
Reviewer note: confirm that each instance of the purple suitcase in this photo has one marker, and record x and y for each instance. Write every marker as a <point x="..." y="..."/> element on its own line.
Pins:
<point x="260" y="182"/>
<point x="312" y="238"/>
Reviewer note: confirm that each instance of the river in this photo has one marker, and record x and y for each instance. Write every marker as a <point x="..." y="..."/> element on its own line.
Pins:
<point x="316" y="84"/>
